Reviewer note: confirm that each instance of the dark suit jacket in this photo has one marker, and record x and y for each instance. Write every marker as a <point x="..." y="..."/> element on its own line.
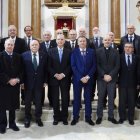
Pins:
<point x="43" y="46"/>
<point x="93" y="45"/>
<point x="34" y="79"/>
<point x="26" y="45"/>
<point x="9" y="68"/>
<point x="70" y="47"/>
<point x="19" y="45"/>
<point x="129" y="77"/>
<point x="54" y="66"/>
<point x="79" y="69"/>
<point x="54" y="44"/>
<point x="136" y="43"/>
<point x="108" y="66"/>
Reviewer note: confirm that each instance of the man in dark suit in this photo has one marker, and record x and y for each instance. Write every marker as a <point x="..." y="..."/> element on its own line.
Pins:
<point x="83" y="65"/>
<point x="82" y="32"/>
<point x="59" y="79"/>
<point x="45" y="46"/>
<point x="107" y="72"/>
<point x="96" y="41"/>
<point x="132" y="38"/>
<point x="19" y="43"/>
<point x="28" y="30"/>
<point x="72" y="43"/>
<point x="35" y="77"/>
<point x="10" y="77"/>
<point x="129" y="75"/>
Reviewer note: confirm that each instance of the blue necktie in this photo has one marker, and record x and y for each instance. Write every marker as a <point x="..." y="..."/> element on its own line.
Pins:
<point x="130" y="39"/>
<point x="60" y="55"/>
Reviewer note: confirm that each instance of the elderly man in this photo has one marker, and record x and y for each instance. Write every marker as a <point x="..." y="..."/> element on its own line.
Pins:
<point x="72" y="43"/>
<point x="10" y="77"/>
<point x="96" y="41"/>
<point x="132" y="38"/>
<point x="19" y="43"/>
<point x="59" y="79"/>
<point x="107" y="68"/>
<point x="35" y="77"/>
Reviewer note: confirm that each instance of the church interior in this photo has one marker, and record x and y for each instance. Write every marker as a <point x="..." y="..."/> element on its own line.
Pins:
<point x="50" y="15"/>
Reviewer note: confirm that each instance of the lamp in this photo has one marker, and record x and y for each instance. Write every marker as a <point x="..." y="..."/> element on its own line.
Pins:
<point x="138" y="6"/>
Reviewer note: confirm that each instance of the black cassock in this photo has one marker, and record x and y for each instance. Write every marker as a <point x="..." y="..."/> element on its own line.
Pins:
<point x="10" y="67"/>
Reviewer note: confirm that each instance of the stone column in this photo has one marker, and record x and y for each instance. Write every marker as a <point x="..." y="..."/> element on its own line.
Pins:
<point x="93" y="15"/>
<point x="36" y="18"/>
<point x="115" y="19"/>
<point x="13" y="13"/>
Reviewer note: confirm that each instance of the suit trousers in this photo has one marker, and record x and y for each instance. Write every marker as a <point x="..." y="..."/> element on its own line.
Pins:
<point x="102" y="87"/>
<point x="3" y="118"/>
<point x="77" y="99"/>
<point x="36" y="96"/>
<point x="60" y="114"/>
<point x="127" y="96"/>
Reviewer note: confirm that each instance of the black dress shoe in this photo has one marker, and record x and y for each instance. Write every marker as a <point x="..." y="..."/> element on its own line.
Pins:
<point x="39" y="123"/>
<point x="2" y="130"/>
<point x="90" y="122"/>
<point x="99" y="120"/>
<point x="65" y="122"/>
<point x="131" y="122"/>
<point x="74" y="121"/>
<point x="121" y="121"/>
<point x="14" y="127"/>
<point x="27" y="124"/>
<point x="55" y="122"/>
<point x="112" y="120"/>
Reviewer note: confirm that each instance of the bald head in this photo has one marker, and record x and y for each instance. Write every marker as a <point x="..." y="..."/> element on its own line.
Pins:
<point x="107" y="41"/>
<point x="82" y="31"/>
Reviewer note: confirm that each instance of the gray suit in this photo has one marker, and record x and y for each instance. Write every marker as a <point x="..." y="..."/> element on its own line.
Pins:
<point x="106" y="64"/>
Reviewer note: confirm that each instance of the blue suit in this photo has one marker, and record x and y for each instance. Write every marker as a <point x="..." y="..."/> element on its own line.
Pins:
<point x="33" y="82"/>
<point x="82" y="67"/>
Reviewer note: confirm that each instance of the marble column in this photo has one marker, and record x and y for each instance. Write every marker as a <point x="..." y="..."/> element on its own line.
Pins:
<point x="36" y="18"/>
<point x="115" y="19"/>
<point x="93" y="15"/>
<point x="13" y="13"/>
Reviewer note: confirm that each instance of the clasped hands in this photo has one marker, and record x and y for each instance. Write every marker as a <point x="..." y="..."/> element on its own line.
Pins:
<point x="107" y="78"/>
<point x="84" y="79"/>
<point x="59" y="76"/>
<point x="13" y="81"/>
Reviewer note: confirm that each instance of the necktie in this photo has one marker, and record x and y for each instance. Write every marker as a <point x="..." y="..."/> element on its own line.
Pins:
<point x="130" y="39"/>
<point x="34" y="61"/>
<point x="96" y="42"/>
<point x="72" y="45"/>
<point x="60" y="55"/>
<point x="28" y="43"/>
<point x="47" y="46"/>
<point x="128" y="61"/>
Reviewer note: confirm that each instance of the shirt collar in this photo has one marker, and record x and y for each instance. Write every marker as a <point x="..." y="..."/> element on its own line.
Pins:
<point x="37" y="54"/>
<point x="131" y="36"/>
<point x="72" y="41"/>
<point x="9" y="53"/>
<point x="82" y="49"/>
<point x="60" y="48"/>
<point x="14" y="39"/>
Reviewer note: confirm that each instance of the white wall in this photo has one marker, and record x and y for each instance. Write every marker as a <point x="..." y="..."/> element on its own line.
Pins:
<point x="24" y="15"/>
<point x="47" y="21"/>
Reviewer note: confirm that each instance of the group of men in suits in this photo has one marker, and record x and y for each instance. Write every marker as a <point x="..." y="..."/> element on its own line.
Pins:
<point x="57" y="62"/>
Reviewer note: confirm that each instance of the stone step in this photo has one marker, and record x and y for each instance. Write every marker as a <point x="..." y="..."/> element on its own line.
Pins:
<point x="47" y="114"/>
